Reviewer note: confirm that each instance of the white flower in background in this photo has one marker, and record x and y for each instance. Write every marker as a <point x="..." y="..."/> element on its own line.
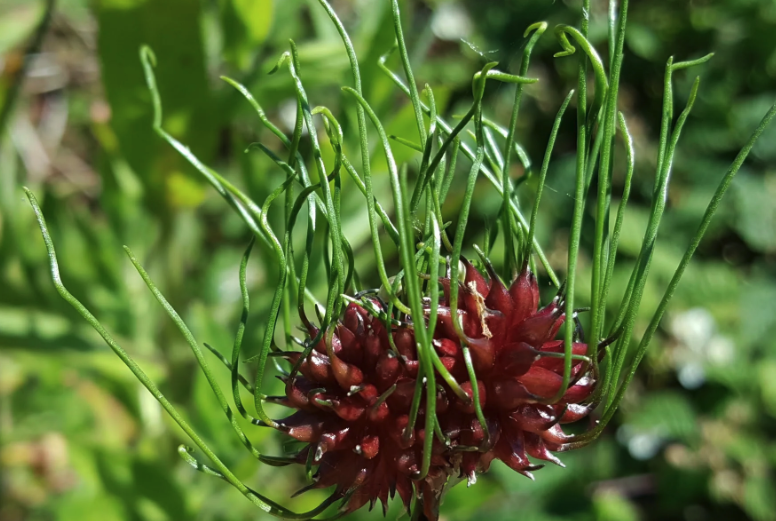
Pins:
<point x="698" y="345"/>
<point x="451" y="22"/>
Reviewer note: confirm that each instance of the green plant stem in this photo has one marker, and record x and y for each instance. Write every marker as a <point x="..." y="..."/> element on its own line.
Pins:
<point x="600" y="250"/>
<point x="510" y="260"/>
<point x="447" y="129"/>
<point x="543" y="171"/>
<point x="650" y="236"/>
<point x="711" y="209"/>
<point x="257" y="499"/>
<point x="405" y="61"/>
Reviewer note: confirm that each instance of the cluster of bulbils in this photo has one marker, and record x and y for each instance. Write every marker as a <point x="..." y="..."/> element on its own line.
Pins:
<point x="354" y="398"/>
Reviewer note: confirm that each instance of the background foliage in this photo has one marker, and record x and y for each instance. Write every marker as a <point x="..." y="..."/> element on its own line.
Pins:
<point x="81" y="439"/>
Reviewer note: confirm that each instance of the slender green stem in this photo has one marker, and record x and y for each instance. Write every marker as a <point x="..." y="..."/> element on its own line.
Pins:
<point x="426" y="172"/>
<point x="562" y="32"/>
<point x="412" y="289"/>
<point x="478" y="87"/>
<point x="248" y="210"/>
<point x="186" y="332"/>
<point x="405" y="61"/>
<point x="650" y="236"/>
<point x="631" y="159"/>
<point x="579" y="205"/>
<point x="545" y="167"/>
<point x="364" y="143"/>
<point x="446" y="129"/>
<point x="238" y="338"/>
<point x="479" y="79"/>
<point x="334" y="219"/>
<point x="243" y="381"/>
<point x="257" y="499"/>
<point x="686" y="258"/>
<point x="508" y="223"/>
<point x="600" y="249"/>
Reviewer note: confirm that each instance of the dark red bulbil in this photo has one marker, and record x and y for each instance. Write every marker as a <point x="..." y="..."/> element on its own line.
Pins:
<point x="358" y="435"/>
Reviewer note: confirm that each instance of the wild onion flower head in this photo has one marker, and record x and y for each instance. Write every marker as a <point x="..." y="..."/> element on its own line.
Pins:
<point x="355" y="396"/>
<point x="435" y="375"/>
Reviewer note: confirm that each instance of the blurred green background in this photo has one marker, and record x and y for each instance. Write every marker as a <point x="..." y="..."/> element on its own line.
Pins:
<point x="82" y="440"/>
